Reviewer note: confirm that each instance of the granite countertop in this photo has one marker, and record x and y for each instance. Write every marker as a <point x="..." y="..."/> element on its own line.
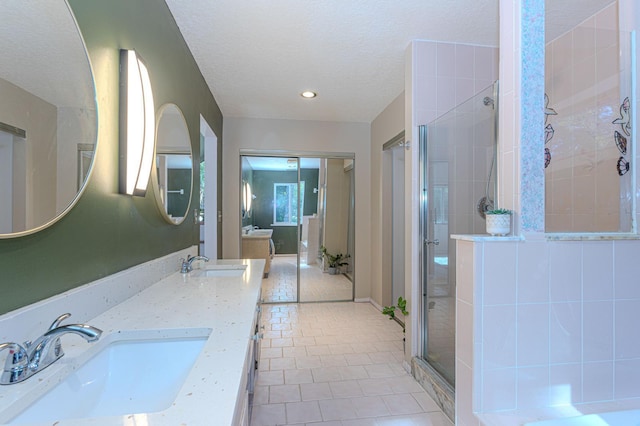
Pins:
<point x="225" y="305"/>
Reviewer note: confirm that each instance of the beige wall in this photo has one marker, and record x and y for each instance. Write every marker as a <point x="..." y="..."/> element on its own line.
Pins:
<point x="298" y="136"/>
<point x="39" y="119"/>
<point x="337" y="207"/>
<point x="388" y="124"/>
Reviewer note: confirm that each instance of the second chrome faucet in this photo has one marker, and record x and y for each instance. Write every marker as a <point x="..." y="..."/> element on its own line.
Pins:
<point x="25" y="361"/>
<point x="187" y="265"/>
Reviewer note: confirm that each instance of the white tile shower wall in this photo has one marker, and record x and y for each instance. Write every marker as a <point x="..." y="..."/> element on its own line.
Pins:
<point x="446" y="75"/>
<point x="89" y="300"/>
<point x="572" y="346"/>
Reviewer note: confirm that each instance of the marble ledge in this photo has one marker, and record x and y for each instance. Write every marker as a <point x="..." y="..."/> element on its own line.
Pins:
<point x="485" y="238"/>
<point x="548" y="237"/>
<point x="591" y="236"/>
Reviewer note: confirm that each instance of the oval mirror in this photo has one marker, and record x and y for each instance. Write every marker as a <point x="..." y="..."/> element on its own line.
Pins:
<point x="173" y="179"/>
<point x="48" y="115"/>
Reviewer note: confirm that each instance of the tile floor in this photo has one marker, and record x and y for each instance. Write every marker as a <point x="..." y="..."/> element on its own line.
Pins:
<point x="336" y="364"/>
<point x="315" y="285"/>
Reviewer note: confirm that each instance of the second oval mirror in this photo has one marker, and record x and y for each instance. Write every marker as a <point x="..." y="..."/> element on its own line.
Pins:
<point x="174" y="165"/>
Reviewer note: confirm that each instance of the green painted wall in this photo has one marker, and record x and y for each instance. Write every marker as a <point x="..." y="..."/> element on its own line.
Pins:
<point x="107" y="232"/>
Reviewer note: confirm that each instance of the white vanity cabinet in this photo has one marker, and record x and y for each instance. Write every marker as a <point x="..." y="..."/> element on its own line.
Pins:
<point x="257" y="244"/>
<point x="244" y="403"/>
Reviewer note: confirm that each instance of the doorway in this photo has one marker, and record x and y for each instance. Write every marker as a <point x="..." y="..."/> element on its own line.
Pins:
<point x="304" y="202"/>
<point x="393" y="195"/>
<point x="209" y="217"/>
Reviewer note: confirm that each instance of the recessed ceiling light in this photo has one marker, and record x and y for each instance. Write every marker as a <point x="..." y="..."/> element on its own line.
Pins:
<point x="308" y="94"/>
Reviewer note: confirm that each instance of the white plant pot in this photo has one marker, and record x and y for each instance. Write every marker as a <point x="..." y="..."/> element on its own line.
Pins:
<point x="498" y="224"/>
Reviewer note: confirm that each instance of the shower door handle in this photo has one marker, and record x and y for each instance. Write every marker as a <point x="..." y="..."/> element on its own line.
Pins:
<point x="434" y="242"/>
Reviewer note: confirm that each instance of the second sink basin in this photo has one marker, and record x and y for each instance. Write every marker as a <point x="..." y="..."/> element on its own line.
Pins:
<point x="125" y="376"/>
<point x="258" y="233"/>
<point x="220" y="270"/>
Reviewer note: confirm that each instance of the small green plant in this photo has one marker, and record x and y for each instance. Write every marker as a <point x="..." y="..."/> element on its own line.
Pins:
<point x="391" y="310"/>
<point x="334" y="260"/>
<point x="499" y="211"/>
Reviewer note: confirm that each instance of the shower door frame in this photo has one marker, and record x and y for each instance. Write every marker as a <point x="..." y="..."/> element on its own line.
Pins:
<point x="427" y="234"/>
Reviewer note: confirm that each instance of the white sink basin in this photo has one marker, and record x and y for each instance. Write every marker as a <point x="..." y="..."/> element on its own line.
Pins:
<point x="220" y="270"/>
<point x="258" y="233"/>
<point x="261" y="232"/>
<point x="124" y="376"/>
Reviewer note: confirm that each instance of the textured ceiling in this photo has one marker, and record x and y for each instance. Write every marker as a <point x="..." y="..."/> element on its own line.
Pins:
<point x="257" y="56"/>
<point x="42" y="52"/>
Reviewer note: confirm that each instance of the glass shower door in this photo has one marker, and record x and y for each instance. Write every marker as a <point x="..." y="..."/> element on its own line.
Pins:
<point x="458" y="184"/>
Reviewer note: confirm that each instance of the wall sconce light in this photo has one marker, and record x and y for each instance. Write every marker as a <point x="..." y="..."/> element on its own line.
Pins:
<point x="247" y="196"/>
<point x="137" y="125"/>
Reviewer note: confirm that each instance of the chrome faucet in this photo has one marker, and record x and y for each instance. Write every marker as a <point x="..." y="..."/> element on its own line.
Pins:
<point x="25" y="361"/>
<point x="187" y="265"/>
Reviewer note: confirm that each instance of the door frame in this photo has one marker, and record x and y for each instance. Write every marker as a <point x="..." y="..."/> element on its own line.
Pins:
<point x="298" y="155"/>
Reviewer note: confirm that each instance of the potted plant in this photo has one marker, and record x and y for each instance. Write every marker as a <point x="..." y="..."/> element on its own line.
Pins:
<point x="391" y="312"/>
<point x="498" y="221"/>
<point x="334" y="261"/>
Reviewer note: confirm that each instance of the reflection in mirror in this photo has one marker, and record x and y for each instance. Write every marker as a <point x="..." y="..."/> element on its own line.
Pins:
<point x="48" y="120"/>
<point x="247" y="199"/>
<point x="174" y="163"/>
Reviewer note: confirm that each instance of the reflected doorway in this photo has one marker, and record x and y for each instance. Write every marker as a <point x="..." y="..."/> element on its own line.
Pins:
<point x="393" y="199"/>
<point x="306" y="201"/>
<point x="209" y="218"/>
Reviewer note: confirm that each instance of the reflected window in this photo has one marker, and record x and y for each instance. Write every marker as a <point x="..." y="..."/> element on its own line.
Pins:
<point x="441" y="204"/>
<point x="285" y="205"/>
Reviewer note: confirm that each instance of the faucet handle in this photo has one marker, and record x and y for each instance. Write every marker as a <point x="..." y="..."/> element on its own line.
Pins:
<point x="16" y="364"/>
<point x="55" y="324"/>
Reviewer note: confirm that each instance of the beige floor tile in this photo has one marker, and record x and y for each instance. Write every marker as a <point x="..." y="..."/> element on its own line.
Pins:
<point x="353" y="372"/>
<point x="402" y="404"/>
<point x="358" y="359"/>
<point x="268" y="415"/>
<point x="319" y="350"/>
<point x="426" y="402"/>
<point x="298" y="376"/>
<point x="284" y="393"/>
<point x="294" y="351"/>
<point x="337" y="409"/>
<point x="326" y="374"/>
<point x="308" y="361"/>
<point x="333" y="361"/>
<point x="315" y="391"/>
<point x="377" y="371"/>
<point x="303" y="412"/>
<point x="360" y="422"/>
<point x="370" y="406"/>
<point x="345" y="369"/>
<point x="267" y="378"/>
<point x="270" y="353"/>
<point x="281" y="363"/>
<point x="345" y="389"/>
<point x="375" y="387"/>
<point x="279" y="343"/>
<point x="261" y="395"/>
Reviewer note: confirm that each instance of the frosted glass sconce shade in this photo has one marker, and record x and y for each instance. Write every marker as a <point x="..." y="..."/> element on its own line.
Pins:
<point x="137" y="124"/>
